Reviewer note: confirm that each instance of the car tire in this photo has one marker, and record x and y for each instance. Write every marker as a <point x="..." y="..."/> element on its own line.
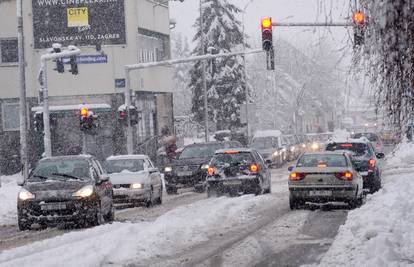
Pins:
<point x="269" y="190"/>
<point x="294" y="203"/>
<point x="212" y="192"/>
<point x="356" y="203"/>
<point x="150" y="202"/>
<point x="24" y="225"/>
<point x="159" y="199"/>
<point x="171" y="190"/>
<point x="376" y="186"/>
<point x="260" y="190"/>
<point x="98" y="218"/>
<point x="199" y="188"/>
<point x="110" y="217"/>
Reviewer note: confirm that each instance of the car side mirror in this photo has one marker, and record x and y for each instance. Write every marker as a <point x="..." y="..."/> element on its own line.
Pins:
<point x="20" y="182"/>
<point x="380" y="155"/>
<point x="268" y="162"/>
<point x="153" y="170"/>
<point x="103" y="179"/>
<point x="290" y="168"/>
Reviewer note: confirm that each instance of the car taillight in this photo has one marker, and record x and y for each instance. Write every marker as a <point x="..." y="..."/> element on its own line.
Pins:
<point x="254" y="168"/>
<point x="297" y="176"/>
<point x="371" y="164"/>
<point x="347" y="176"/>
<point x="210" y="171"/>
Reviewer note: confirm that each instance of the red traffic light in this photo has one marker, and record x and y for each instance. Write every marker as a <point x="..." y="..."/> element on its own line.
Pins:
<point x="359" y="18"/>
<point x="266" y="23"/>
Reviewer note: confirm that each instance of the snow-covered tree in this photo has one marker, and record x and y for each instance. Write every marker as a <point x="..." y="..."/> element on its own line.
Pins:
<point x="225" y="79"/>
<point x="181" y="79"/>
<point x="389" y="56"/>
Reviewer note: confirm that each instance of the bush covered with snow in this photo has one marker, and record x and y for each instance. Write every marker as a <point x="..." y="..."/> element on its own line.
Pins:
<point x="8" y="198"/>
<point x="381" y="232"/>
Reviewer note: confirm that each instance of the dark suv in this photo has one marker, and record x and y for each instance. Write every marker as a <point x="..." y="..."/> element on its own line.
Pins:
<point x="190" y="168"/>
<point x="65" y="189"/>
<point x="365" y="159"/>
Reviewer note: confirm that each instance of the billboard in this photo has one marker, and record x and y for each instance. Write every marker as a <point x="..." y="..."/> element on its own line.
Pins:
<point x="78" y="22"/>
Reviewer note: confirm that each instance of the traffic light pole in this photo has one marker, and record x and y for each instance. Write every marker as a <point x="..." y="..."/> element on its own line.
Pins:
<point x="129" y="133"/>
<point x="73" y="51"/>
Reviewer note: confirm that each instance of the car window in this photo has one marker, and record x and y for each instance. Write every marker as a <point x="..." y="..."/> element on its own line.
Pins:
<point x="200" y="151"/>
<point x="63" y="169"/>
<point x="359" y="149"/>
<point x="241" y="158"/>
<point x="322" y="160"/>
<point x="262" y="142"/>
<point x="124" y="165"/>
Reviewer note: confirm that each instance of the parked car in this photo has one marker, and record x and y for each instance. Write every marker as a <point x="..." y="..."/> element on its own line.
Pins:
<point x="269" y="145"/>
<point x="367" y="161"/>
<point x="135" y="179"/>
<point x="190" y="168"/>
<point x="238" y="171"/>
<point x="372" y="137"/>
<point x="324" y="177"/>
<point x="65" y="189"/>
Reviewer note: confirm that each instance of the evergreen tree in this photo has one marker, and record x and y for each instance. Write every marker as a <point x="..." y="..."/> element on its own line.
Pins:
<point x="225" y="79"/>
<point x="182" y="93"/>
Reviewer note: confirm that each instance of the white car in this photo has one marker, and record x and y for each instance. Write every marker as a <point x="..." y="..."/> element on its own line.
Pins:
<point x="135" y="179"/>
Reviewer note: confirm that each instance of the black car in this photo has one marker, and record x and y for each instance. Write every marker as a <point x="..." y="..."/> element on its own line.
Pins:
<point x="65" y="189"/>
<point x="365" y="159"/>
<point x="190" y="168"/>
<point x="238" y="171"/>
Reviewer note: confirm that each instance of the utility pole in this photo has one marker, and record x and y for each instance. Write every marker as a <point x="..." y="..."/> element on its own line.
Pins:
<point x="203" y="73"/>
<point x="22" y="83"/>
<point x="129" y="133"/>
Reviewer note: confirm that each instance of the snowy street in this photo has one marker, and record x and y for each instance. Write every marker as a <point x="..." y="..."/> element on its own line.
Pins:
<point x="189" y="230"/>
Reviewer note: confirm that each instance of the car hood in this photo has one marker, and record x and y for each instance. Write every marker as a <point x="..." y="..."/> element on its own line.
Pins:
<point x="52" y="189"/>
<point x="129" y="178"/>
<point x="192" y="161"/>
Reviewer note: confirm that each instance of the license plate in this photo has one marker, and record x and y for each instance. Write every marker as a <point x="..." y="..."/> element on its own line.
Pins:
<point x="54" y="206"/>
<point x="323" y="193"/>
<point x="186" y="173"/>
<point x="234" y="182"/>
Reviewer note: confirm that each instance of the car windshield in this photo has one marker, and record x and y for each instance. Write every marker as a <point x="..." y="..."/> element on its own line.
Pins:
<point x="62" y="169"/>
<point x="371" y="136"/>
<point x="359" y="149"/>
<point x="124" y="165"/>
<point x="200" y="151"/>
<point x="322" y="160"/>
<point x="262" y="143"/>
<point x="232" y="159"/>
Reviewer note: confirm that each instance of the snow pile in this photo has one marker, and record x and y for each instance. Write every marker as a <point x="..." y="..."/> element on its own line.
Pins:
<point x="8" y="197"/>
<point x="381" y="232"/>
<point x="121" y="243"/>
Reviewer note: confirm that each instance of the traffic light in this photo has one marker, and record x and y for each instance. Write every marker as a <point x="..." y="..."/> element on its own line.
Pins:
<point x="359" y="28"/>
<point x="133" y="114"/>
<point x="87" y="121"/>
<point x="38" y="122"/>
<point x="267" y="34"/>
<point x="73" y="65"/>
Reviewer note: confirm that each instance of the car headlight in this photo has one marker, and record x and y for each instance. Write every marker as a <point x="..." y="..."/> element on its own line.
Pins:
<point x="85" y="191"/>
<point x="292" y="148"/>
<point x="315" y="146"/>
<point x="25" y="195"/>
<point x="136" y="186"/>
<point x="304" y="145"/>
<point x="168" y="169"/>
<point x="275" y="154"/>
<point x="283" y="149"/>
<point x="205" y="166"/>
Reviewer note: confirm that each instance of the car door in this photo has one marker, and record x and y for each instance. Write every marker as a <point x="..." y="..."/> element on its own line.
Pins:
<point x="264" y="168"/>
<point x="155" y="177"/>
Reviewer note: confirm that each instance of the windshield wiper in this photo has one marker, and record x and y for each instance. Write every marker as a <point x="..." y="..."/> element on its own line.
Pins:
<point x="67" y="175"/>
<point x="39" y="176"/>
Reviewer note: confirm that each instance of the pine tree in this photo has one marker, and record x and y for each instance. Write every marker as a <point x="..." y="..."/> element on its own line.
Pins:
<point x="182" y="93"/>
<point x="225" y="79"/>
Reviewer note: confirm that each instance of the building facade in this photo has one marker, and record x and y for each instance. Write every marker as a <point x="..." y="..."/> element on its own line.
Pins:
<point x="111" y="34"/>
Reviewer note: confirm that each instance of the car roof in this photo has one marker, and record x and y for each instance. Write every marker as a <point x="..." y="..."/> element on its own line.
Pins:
<point x="70" y="157"/>
<point x="120" y="157"/>
<point x="338" y="152"/>
<point x="363" y="140"/>
<point x="240" y="149"/>
<point x="211" y="143"/>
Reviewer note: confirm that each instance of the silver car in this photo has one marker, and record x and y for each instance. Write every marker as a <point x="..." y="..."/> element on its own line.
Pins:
<point x="135" y="180"/>
<point x="325" y="177"/>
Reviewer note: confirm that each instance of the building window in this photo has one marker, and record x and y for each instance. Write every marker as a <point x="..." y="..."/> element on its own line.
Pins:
<point x="8" y="51"/>
<point x="153" y="46"/>
<point x="10" y="116"/>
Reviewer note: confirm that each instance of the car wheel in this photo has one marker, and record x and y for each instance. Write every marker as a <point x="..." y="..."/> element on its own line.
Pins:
<point x="199" y="188"/>
<point x="98" y="218"/>
<point x="171" y="190"/>
<point x="23" y="225"/>
<point x="294" y="203"/>
<point x="355" y="203"/>
<point x="110" y="217"/>
<point x="259" y="189"/>
<point x="212" y="192"/>
<point x="159" y="199"/>
<point x="269" y="190"/>
<point x="150" y="201"/>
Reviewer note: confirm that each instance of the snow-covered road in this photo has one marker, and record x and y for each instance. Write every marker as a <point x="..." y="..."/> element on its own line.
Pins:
<point x="188" y="229"/>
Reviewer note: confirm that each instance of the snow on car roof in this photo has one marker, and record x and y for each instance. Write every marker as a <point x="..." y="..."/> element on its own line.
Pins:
<point x="118" y="157"/>
<point x="348" y="140"/>
<point x="82" y="156"/>
<point x="267" y="133"/>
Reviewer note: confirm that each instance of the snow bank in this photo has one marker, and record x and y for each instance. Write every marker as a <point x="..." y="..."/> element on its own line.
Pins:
<point x="8" y="199"/>
<point x="381" y="232"/>
<point x="120" y="243"/>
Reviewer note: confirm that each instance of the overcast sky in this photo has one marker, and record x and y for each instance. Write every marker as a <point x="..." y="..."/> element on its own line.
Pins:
<point x="280" y="10"/>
